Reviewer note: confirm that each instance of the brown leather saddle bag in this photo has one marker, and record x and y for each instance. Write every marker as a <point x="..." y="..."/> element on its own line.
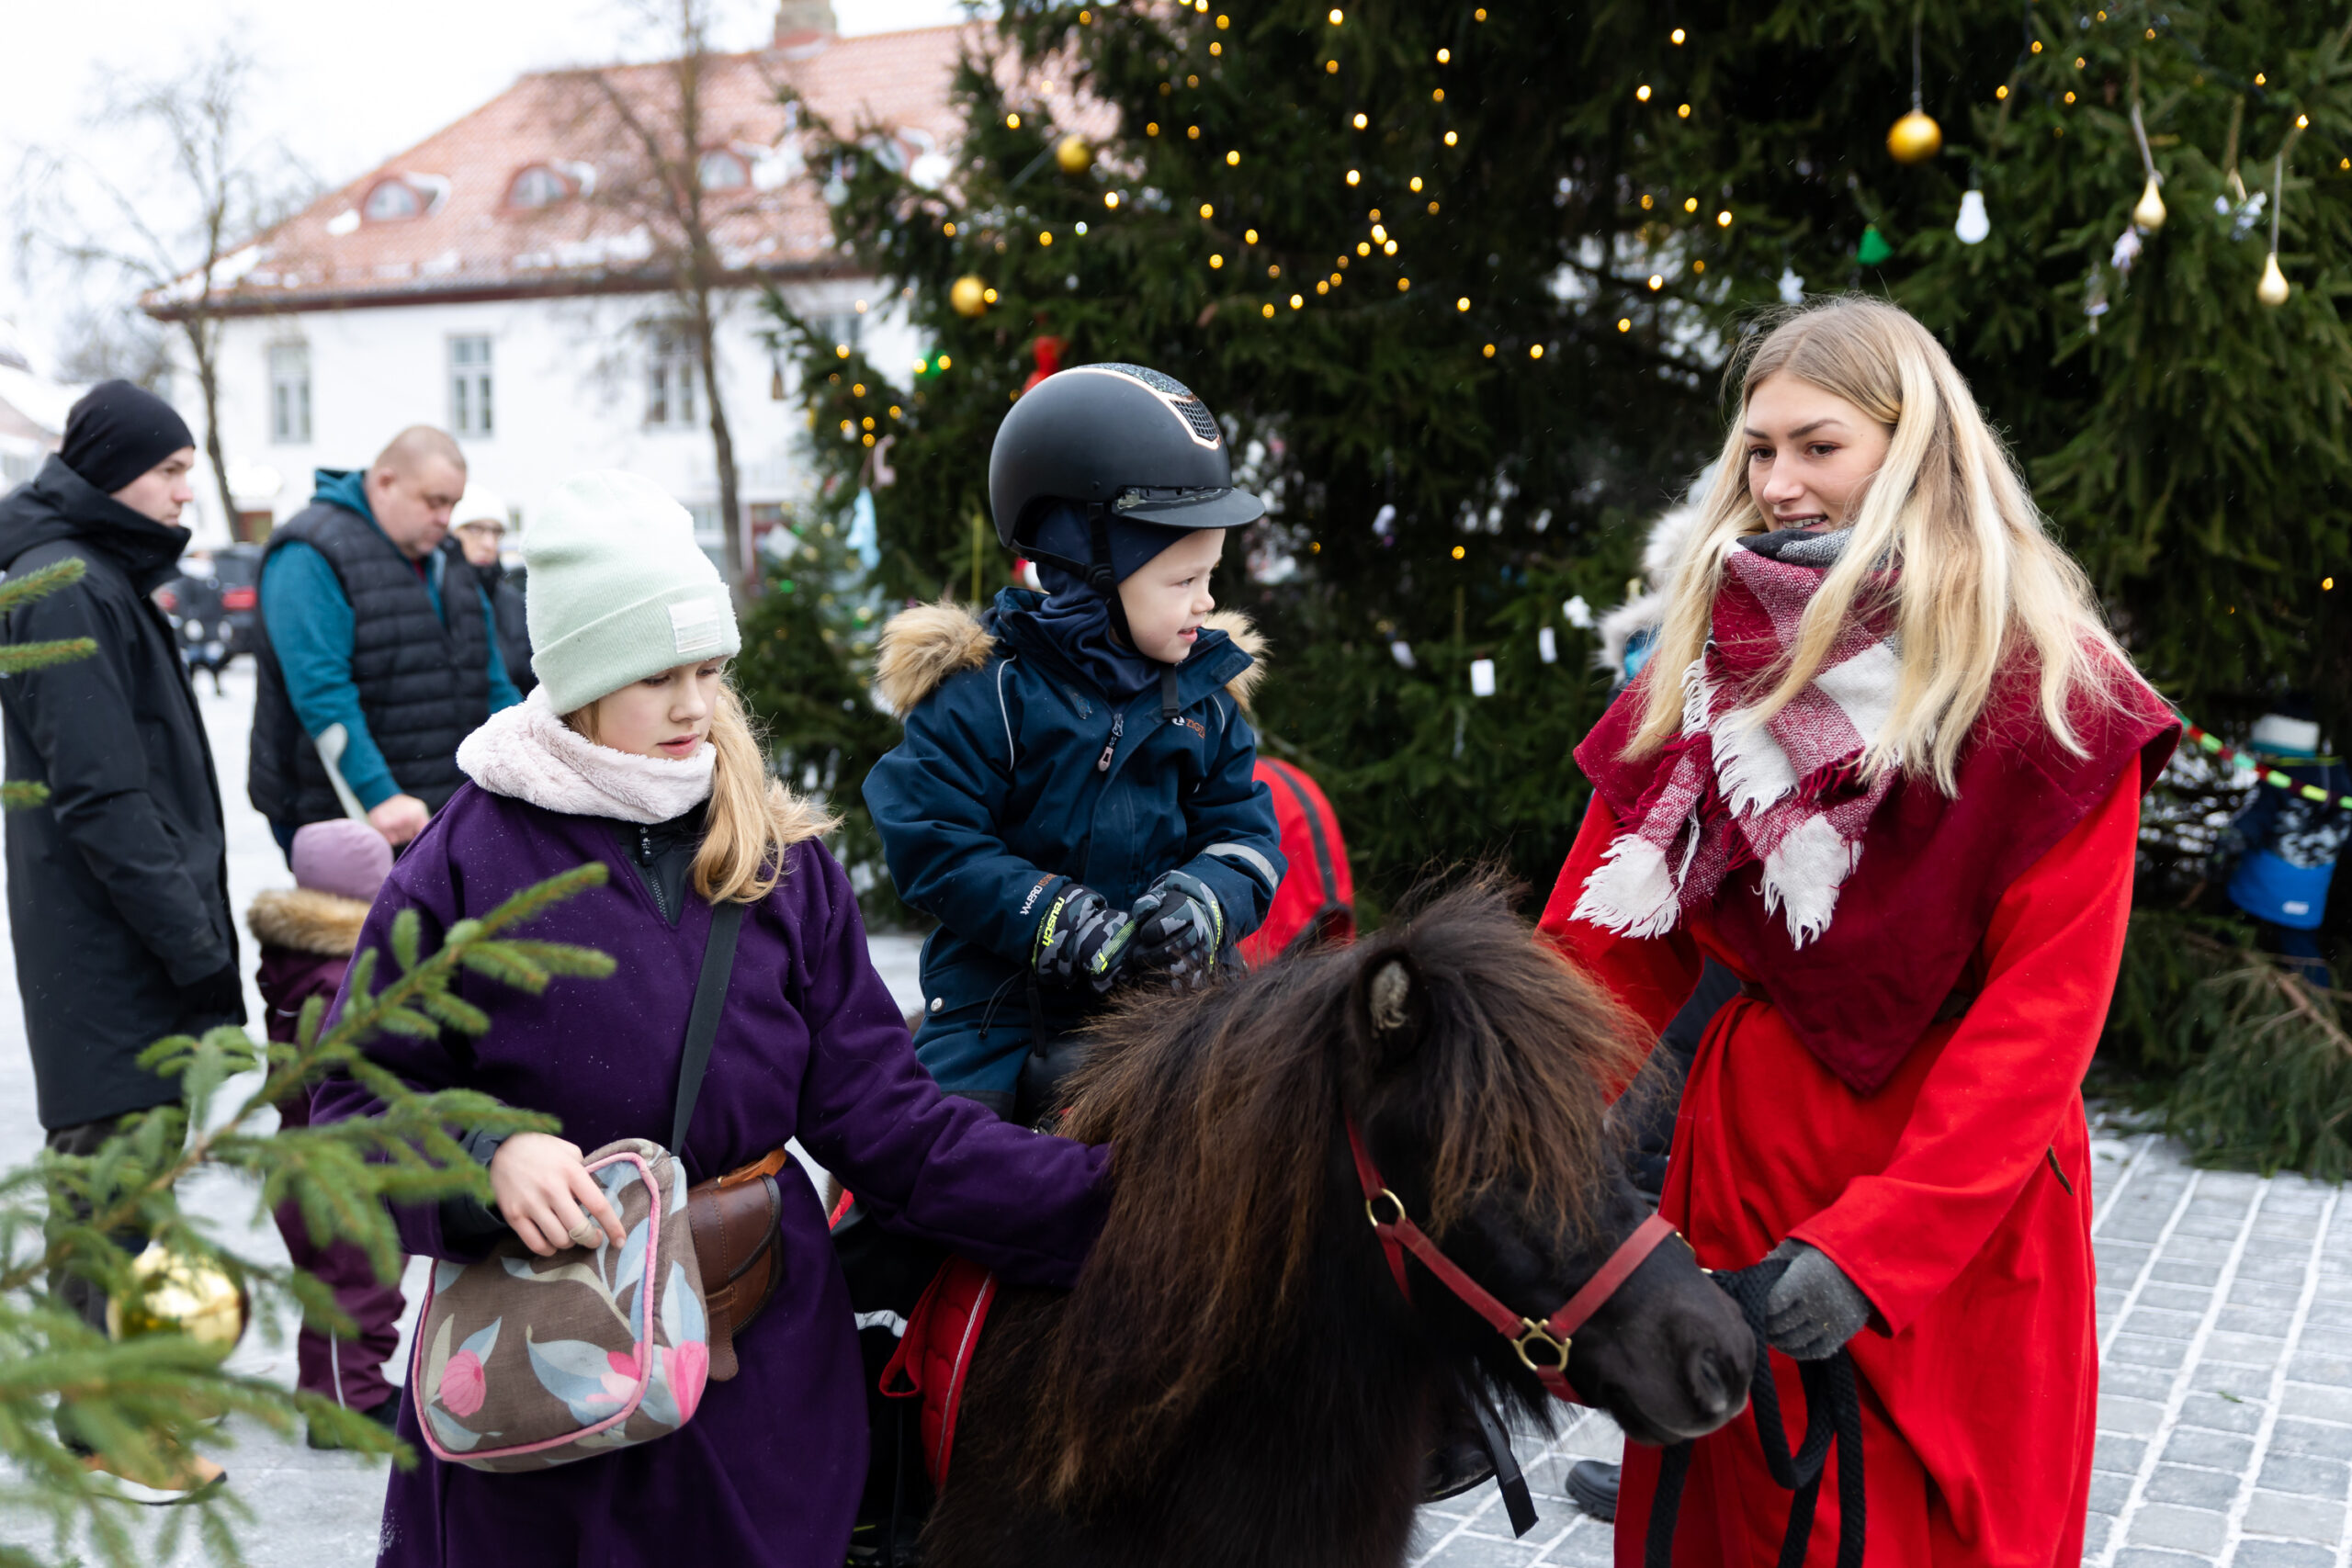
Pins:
<point x="734" y="1220"/>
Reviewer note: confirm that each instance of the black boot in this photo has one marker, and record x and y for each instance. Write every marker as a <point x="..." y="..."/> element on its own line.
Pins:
<point x="1593" y="1486"/>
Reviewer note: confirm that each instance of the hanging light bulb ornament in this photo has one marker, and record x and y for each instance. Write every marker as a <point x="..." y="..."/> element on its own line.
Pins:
<point x="1973" y="223"/>
<point x="1915" y="137"/>
<point x="1073" y="156"/>
<point x="2272" y="289"/>
<point x="968" y="296"/>
<point x="177" y="1294"/>
<point x="2149" y="211"/>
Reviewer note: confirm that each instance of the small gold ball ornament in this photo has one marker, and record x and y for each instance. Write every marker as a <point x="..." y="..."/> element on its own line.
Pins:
<point x="2272" y="289"/>
<point x="1073" y="154"/>
<point x="968" y="296"/>
<point x="2149" y="213"/>
<point x="1915" y="138"/>
<point x="177" y="1294"/>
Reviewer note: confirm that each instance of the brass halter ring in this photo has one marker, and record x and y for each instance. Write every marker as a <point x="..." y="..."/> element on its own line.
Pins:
<point x="1537" y="1334"/>
<point x="1374" y="1214"/>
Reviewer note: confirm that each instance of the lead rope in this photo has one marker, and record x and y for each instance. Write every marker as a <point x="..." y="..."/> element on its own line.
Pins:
<point x="1832" y="1415"/>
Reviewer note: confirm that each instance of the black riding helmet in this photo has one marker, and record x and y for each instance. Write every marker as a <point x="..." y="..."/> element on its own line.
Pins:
<point x="1116" y="442"/>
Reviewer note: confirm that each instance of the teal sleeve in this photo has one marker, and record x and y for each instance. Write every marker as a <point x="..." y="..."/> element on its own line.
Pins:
<point x="310" y="627"/>
<point x="502" y="693"/>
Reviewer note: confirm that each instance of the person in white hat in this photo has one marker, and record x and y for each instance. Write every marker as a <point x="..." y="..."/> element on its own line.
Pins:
<point x="480" y="523"/>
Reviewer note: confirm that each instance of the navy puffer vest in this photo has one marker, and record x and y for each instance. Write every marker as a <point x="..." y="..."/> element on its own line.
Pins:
<point x="422" y="686"/>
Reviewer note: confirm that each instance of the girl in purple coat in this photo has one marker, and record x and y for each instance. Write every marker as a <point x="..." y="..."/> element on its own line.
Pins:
<point x="633" y="751"/>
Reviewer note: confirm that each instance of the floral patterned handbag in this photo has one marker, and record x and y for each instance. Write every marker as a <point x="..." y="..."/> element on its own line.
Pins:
<point x="524" y="1362"/>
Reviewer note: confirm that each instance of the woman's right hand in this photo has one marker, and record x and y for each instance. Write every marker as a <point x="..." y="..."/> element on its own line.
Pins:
<point x="546" y="1195"/>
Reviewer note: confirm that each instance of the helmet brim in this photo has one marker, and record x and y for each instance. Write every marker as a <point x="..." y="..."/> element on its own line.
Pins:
<point x="1198" y="508"/>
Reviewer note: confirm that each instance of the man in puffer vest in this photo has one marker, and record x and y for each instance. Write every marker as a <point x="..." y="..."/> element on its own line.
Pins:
<point x="376" y="635"/>
<point x="307" y="934"/>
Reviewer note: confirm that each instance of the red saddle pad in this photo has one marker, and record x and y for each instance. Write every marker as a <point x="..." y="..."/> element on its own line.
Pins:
<point x="935" y="1354"/>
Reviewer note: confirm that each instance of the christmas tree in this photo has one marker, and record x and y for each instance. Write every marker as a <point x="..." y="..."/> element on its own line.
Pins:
<point x="1461" y="280"/>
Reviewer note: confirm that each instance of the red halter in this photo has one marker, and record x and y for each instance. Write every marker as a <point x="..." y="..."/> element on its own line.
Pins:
<point x="1550" y="1339"/>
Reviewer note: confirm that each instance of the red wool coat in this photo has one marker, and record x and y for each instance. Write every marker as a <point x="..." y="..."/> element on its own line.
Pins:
<point x="1957" y="1197"/>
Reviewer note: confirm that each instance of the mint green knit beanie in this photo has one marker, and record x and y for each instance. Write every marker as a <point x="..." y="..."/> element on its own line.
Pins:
<point x="618" y="590"/>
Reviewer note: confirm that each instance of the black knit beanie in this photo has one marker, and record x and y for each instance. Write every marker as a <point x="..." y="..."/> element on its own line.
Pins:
<point x="118" y="433"/>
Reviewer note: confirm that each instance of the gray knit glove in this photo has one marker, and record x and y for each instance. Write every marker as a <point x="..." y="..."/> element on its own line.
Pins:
<point x="1813" y="1309"/>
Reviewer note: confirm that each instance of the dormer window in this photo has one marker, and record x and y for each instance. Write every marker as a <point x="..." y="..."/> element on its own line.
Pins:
<point x="537" y="186"/>
<point x="392" y="200"/>
<point x="725" y="170"/>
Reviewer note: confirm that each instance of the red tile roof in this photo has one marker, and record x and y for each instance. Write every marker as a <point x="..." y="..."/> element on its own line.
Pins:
<point x="469" y="242"/>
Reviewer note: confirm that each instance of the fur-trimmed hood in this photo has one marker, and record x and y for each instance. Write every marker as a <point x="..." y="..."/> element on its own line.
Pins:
<point x="923" y="646"/>
<point x="1672" y="537"/>
<point x="306" y="920"/>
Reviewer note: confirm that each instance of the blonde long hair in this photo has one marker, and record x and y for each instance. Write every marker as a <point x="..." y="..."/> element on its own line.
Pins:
<point x="752" y="819"/>
<point x="1981" y="582"/>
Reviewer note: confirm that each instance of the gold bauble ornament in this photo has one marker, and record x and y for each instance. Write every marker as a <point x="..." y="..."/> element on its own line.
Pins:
<point x="1915" y="138"/>
<point x="1073" y="154"/>
<point x="172" y="1293"/>
<point x="968" y="294"/>
<point x="2149" y="213"/>
<point x="2272" y="289"/>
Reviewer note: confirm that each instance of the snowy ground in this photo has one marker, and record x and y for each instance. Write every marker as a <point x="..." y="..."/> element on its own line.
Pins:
<point x="2225" y="1309"/>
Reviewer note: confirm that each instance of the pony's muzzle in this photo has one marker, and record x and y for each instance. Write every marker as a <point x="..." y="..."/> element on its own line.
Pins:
<point x="1712" y="1387"/>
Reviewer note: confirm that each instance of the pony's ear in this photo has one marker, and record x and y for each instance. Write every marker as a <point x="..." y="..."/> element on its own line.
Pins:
<point x="1396" y="1009"/>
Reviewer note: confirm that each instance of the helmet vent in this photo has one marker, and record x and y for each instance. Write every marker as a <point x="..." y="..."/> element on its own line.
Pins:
<point x="1178" y="396"/>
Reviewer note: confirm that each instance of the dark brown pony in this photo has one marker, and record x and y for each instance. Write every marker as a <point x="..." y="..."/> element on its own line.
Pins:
<point x="1235" y="1379"/>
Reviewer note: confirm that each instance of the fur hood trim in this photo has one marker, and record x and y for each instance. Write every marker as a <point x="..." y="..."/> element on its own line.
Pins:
<point x="1671" y="538"/>
<point x="307" y="921"/>
<point x="921" y="648"/>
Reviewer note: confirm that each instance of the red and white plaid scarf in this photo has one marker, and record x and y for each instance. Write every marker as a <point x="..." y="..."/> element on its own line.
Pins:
<point x="1729" y="793"/>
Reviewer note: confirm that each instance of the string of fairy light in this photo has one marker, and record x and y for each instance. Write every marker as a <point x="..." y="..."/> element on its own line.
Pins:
<point x="971" y="294"/>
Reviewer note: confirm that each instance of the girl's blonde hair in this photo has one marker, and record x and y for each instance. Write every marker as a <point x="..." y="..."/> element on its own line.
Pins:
<point x="752" y="818"/>
<point x="1981" y="582"/>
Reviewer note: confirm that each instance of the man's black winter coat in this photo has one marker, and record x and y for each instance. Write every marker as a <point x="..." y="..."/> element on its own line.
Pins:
<point x="118" y="887"/>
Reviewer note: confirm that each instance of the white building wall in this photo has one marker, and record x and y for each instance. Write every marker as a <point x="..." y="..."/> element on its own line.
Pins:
<point x="569" y="393"/>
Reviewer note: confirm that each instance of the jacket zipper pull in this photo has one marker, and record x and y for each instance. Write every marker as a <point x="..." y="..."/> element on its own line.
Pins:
<point x="644" y="846"/>
<point x="1118" y="724"/>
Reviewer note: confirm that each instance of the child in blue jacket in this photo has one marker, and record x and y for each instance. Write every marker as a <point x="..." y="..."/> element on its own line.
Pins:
<point x="1074" y="798"/>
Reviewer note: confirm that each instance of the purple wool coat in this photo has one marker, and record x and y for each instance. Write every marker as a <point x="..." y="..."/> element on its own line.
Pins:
<point x="810" y="1045"/>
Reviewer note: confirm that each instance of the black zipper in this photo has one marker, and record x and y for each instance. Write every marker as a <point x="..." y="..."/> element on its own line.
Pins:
<point x="1118" y="727"/>
<point x="645" y="859"/>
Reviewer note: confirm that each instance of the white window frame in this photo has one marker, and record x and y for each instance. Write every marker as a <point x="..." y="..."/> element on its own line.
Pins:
<point x="289" y="394"/>
<point x="472" y="387"/>
<point x="672" y="378"/>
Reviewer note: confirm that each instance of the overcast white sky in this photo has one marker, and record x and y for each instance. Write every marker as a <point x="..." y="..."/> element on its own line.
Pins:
<point x="347" y="83"/>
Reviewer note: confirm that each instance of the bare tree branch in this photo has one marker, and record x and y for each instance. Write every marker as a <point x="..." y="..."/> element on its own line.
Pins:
<point x="173" y="242"/>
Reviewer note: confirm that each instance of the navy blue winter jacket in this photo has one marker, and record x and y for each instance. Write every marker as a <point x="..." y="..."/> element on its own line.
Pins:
<point x="998" y="795"/>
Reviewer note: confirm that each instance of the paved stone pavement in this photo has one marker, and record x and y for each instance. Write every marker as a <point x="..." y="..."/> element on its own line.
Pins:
<point x="2225" y="1414"/>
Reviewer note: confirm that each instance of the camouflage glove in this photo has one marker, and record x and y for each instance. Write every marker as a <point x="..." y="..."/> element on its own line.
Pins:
<point x="1083" y="939"/>
<point x="1180" y="927"/>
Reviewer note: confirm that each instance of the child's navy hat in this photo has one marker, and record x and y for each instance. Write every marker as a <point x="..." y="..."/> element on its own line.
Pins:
<point x="1062" y="536"/>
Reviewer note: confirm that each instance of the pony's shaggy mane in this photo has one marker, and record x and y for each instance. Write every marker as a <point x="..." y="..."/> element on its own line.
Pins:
<point x="1222" y="1110"/>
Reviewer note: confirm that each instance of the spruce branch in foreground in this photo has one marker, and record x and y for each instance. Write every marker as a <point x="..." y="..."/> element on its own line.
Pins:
<point x="141" y="1402"/>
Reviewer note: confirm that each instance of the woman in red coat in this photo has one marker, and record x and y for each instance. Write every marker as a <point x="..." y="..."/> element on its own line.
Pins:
<point x="1886" y="765"/>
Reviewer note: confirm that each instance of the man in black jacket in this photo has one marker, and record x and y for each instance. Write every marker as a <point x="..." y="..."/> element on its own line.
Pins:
<point x="118" y="883"/>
